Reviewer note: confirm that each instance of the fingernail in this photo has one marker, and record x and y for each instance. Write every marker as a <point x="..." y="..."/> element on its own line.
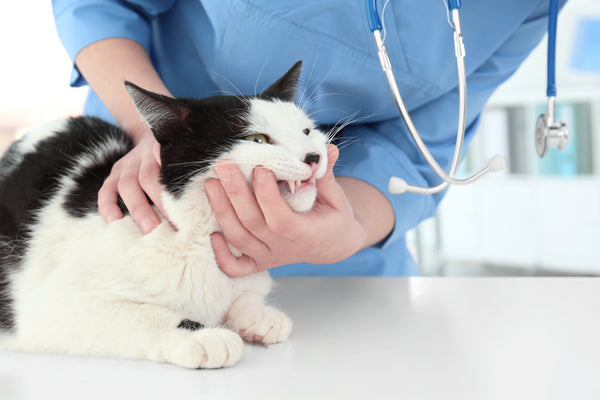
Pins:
<point x="211" y="191"/>
<point x="148" y="225"/>
<point x="111" y="218"/>
<point x="223" y="172"/>
<point x="260" y="174"/>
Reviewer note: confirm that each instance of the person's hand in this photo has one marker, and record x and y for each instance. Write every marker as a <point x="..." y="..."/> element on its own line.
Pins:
<point x="268" y="233"/>
<point x="133" y="177"/>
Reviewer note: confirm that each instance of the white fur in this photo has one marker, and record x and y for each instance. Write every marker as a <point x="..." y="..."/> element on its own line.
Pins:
<point x="29" y="143"/>
<point x="90" y="288"/>
<point x="34" y="136"/>
<point x="283" y="123"/>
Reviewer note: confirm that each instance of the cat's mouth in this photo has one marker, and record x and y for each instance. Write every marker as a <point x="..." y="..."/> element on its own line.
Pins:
<point x="293" y="186"/>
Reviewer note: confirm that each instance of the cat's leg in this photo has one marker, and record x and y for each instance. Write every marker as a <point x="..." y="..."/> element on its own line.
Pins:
<point x="203" y="348"/>
<point x="137" y="331"/>
<point x="170" y="338"/>
<point x="257" y="322"/>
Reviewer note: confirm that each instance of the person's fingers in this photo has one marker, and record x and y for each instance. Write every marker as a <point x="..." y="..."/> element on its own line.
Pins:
<point x="332" y="156"/>
<point x="107" y="201"/>
<point x="232" y="228"/>
<point x="328" y="190"/>
<point x="136" y="202"/>
<point x="149" y="179"/>
<point x="333" y="153"/>
<point x="277" y="213"/>
<point x="242" y="199"/>
<point x="232" y="266"/>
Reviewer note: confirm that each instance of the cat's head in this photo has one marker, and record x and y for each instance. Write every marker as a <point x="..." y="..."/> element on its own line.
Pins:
<point x="266" y="130"/>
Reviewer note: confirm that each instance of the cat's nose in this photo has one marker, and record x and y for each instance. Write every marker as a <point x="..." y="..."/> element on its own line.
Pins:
<point x="312" y="158"/>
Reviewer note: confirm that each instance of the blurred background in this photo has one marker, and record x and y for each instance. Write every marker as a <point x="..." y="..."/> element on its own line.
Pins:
<point x="35" y="70"/>
<point x="540" y="217"/>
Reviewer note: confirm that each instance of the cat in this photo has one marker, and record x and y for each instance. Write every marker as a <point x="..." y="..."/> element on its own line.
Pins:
<point x="72" y="284"/>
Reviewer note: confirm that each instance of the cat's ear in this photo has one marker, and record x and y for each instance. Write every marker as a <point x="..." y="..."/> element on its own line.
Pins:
<point x="165" y="115"/>
<point x="285" y="87"/>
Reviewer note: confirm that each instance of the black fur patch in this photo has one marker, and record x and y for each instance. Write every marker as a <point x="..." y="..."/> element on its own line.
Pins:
<point x="84" y="198"/>
<point x="192" y="132"/>
<point x="212" y="127"/>
<point x="33" y="181"/>
<point x="190" y="325"/>
<point x="94" y="134"/>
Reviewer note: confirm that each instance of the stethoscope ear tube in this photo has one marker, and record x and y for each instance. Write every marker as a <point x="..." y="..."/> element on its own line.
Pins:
<point x="398" y="185"/>
<point x="548" y="132"/>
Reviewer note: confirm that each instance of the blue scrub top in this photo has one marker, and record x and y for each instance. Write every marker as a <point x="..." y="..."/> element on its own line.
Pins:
<point x="201" y="48"/>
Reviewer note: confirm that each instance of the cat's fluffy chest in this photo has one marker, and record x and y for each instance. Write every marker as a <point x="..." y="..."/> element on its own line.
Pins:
<point x="115" y="263"/>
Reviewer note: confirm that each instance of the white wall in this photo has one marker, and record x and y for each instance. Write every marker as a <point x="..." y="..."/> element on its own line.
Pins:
<point x="35" y="69"/>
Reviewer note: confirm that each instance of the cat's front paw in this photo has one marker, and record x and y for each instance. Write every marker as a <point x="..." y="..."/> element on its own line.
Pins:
<point x="206" y="348"/>
<point x="259" y="323"/>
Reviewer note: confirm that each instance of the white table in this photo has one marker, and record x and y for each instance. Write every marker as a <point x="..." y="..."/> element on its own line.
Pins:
<point x="372" y="338"/>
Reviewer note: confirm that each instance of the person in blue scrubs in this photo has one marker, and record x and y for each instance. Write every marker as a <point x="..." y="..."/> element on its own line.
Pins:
<point x="198" y="48"/>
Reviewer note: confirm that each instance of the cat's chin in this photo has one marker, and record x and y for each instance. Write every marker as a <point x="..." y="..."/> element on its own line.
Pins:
<point x="302" y="199"/>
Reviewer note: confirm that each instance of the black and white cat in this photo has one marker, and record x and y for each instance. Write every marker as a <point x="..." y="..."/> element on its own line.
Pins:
<point x="70" y="283"/>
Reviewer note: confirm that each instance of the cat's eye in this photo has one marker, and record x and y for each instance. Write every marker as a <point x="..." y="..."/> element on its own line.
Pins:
<point x="258" y="138"/>
<point x="306" y="131"/>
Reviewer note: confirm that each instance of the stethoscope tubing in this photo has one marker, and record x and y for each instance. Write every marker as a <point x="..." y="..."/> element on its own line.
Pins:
<point x="552" y="23"/>
<point x="496" y="163"/>
<point x="398" y="185"/>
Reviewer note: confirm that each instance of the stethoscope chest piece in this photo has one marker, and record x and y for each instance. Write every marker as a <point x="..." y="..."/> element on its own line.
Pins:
<point x="549" y="133"/>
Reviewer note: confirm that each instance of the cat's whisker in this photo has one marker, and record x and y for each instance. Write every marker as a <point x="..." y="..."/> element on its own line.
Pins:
<point x="305" y="86"/>
<point x="184" y="163"/>
<point x="259" y="75"/>
<point x="351" y="119"/>
<point x="222" y="93"/>
<point x="321" y="95"/>
<point x="305" y="107"/>
<point x="313" y="99"/>
<point x="343" y="142"/>
<point x="305" y="100"/>
<point x="342" y="123"/>
<point x="228" y="81"/>
<point x="316" y="87"/>
<point x="311" y="115"/>
<point x="346" y="141"/>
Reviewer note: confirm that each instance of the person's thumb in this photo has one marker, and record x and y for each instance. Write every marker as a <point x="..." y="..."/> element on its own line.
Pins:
<point x="328" y="190"/>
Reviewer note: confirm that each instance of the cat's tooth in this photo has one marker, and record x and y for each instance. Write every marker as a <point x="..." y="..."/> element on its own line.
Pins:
<point x="292" y="186"/>
<point x="298" y="182"/>
<point x="312" y="180"/>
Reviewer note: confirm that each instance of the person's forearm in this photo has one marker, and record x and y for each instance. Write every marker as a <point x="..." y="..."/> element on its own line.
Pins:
<point x="106" y="64"/>
<point x="371" y="209"/>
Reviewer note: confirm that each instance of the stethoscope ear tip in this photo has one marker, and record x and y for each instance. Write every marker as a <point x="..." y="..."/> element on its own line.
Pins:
<point x="397" y="185"/>
<point x="496" y="163"/>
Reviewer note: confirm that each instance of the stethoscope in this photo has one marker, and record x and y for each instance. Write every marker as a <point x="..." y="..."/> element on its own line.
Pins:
<point x="548" y="133"/>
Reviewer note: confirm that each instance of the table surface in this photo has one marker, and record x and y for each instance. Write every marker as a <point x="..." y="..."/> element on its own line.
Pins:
<point x="372" y="338"/>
